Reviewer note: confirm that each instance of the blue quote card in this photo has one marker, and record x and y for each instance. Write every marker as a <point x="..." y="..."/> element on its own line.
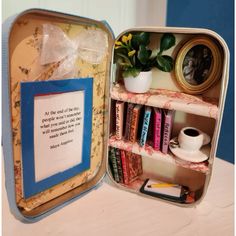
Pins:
<point x="56" y="125"/>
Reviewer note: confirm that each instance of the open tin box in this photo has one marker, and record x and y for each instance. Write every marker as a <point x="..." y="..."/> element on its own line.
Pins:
<point x="43" y="172"/>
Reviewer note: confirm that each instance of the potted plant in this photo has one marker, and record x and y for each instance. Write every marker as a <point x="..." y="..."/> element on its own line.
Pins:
<point x="137" y="60"/>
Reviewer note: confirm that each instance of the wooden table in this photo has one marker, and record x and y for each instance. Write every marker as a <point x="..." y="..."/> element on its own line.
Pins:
<point x="110" y="211"/>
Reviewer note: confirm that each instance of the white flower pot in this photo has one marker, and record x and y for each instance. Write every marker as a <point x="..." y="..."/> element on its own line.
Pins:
<point x="139" y="84"/>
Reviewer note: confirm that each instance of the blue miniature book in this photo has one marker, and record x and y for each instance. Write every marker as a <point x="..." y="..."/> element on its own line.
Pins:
<point x="146" y="121"/>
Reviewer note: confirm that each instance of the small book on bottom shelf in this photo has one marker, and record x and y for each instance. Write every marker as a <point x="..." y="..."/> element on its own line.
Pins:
<point x="125" y="166"/>
<point x="119" y="165"/>
<point x="134" y="165"/>
<point x="114" y="167"/>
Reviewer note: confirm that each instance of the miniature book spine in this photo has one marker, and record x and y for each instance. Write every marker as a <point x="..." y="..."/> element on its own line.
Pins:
<point x="149" y="140"/>
<point x="128" y="120"/>
<point x="139" y="165"/>
<point x="128" y="161"/>
<point x="119" y="119"/>
<point x="110" y="163"/>
<point x="167" y="127"/>
<point x="119" y="166"/>
<point x="135" y="166"/>
<point x="124" y="166"/>
<point x="157" y="129"/>
<point x="114" y="164"/>
<point x="134" y="123"/>
<point x="146" y="121"/>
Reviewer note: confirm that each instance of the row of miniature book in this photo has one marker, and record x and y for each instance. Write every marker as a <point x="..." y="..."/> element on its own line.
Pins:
<point x="144" y="124"/>
<point x="125" y="166"/>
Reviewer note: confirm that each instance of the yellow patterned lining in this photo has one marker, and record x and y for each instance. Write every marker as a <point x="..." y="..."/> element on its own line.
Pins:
<point x="25" y="46"/>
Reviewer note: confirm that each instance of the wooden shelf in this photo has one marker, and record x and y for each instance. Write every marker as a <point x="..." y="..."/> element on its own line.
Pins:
<point x="166" y="99"/>
<point x="148" y="151"/>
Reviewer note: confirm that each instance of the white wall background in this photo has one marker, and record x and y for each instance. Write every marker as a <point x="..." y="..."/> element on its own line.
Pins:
<point x="120" y="14"/>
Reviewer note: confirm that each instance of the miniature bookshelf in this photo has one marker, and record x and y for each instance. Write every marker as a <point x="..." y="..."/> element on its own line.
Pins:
<point x="155" y="163"/>
<point x="148" y="152"/>
<point x="167" y="99"/>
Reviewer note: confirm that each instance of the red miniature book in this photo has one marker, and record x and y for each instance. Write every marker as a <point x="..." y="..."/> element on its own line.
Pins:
<point x="134" y="123"/>
<point x="135" y="166"/>
<point x="124" y="166"/>
<point x="128" y="120"/>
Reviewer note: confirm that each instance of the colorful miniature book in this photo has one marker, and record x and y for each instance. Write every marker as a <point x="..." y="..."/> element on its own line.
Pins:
<point x="146" y="121"/>
<point x="128" y="120"/>
<point x="119" y="165"/>
<point x="119" y="119"/>
<point x="167" y="127"/>
<point x="124" y="166"/>
<point x="149" y="140"/>
<point x="157" y="120"/>
<point x="134" y="123"/>
<point x="110" y="163"/>
<point x="112" y="156"/>
<point x="139" y="164"/>
<point x="127" y="158"/>
<point x="135" y="166"/>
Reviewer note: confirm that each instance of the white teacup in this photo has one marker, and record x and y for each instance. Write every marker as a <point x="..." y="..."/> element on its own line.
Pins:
<point x="192" y="139"/>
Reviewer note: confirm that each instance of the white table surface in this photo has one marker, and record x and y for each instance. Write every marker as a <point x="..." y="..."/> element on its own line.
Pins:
<point x="110" y="211"/>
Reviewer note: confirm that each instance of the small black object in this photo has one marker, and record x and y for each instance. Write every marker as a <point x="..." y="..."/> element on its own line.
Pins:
<point x="181" y="199"/>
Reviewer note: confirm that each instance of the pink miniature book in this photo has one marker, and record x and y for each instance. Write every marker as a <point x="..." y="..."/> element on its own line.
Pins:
<point x="119" y="119"/>
<point x="167" y="127"/>
<point x="157" y="119"/>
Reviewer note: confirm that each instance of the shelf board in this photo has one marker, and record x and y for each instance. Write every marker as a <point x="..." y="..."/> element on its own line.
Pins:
<point x="148" y="151"/>
<point x="167" y="99"/>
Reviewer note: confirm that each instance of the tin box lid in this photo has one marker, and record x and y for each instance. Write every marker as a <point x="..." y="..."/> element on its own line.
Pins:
<point x="23" y="42"/>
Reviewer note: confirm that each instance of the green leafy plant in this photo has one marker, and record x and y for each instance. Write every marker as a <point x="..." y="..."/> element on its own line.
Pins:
<point x="133" y="55"/>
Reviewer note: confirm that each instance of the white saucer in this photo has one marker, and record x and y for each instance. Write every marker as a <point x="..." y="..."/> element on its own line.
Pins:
<point x="196" y="156"/>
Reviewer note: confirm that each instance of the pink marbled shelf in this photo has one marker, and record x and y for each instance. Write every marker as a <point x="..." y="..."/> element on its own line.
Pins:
<point x="148" y="151"/>
<point x="167" y="99"/>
